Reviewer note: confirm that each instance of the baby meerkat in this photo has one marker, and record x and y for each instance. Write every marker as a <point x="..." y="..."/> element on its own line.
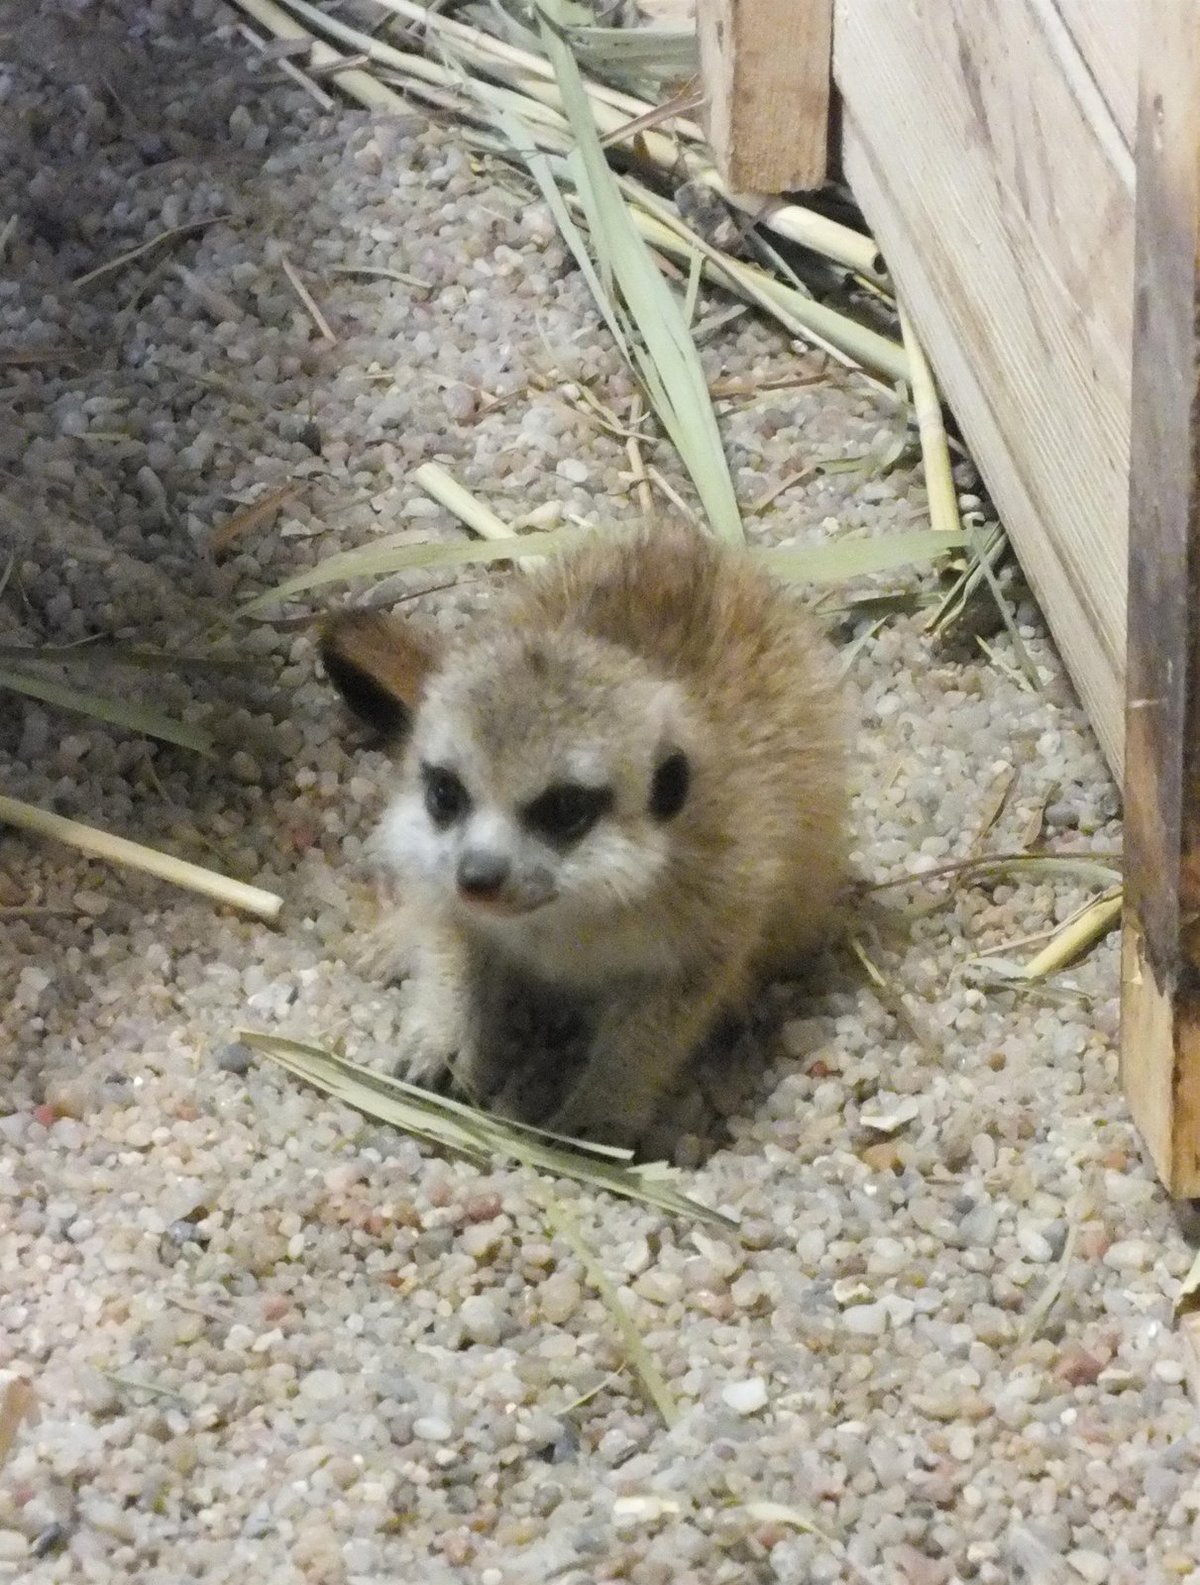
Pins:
<point x="624" y="786"/>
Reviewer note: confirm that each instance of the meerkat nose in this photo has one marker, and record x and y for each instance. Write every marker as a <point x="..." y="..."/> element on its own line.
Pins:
<point x="481" y="873"/>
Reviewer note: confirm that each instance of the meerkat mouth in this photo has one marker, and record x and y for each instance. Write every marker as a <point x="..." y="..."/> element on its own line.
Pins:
<point x="503" y="907"/>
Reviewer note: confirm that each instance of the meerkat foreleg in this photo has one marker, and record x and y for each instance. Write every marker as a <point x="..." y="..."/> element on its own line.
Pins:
<point x="641" y="1045"/>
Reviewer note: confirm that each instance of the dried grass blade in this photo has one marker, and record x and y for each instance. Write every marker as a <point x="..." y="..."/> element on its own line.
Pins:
<point x="1051" y="1292"/>
<point x="1187" y="1319"/>
<point x="648" y="1373"/>
<point x="87" y="652"/>
<point x="1092" y="868"/>
<point x="30" y="357"/>
<point x="637" y="463"/>
<point x="17" y="1404"/>
<point x="488" y="52"/>
<point x="542" y="171"/>
<point x="833" y="563"/>
<point x="454" y="1125"/>
<point x="117" y="712"/>
<point x="654" y="117"/>
<point x="777" y="490"/>
<point x="847" y="340"/>
<point x="1079" y="933"/>
<point x="935" y="453"/>
<point x="308" y="301"/>
<point x="382" y="271"/>
<point x="289" y="69"/>
<point x="893" y="1000"/>
<point x="359" y="85"/>
<point x="447" y="492"/>
<point x="252" y="516"/>
<point x="979" y="551"/>
<point x="805" y="227"/>
<point x="172" y="234"/>
<point x="119" y="850"/>
<point x="219" y="304"/>
<point x="775" y="1513"/>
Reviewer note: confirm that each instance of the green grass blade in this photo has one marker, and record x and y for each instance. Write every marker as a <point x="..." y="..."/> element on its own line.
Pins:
<point x="643" y="51"/>
<point x="117" y="712"/>
<point x="665" y="354"/>
<point x="833" y="563"/>
<point x="539" y="165"/>
<point x="854" y="558"/>
<point x="399" y="554"/>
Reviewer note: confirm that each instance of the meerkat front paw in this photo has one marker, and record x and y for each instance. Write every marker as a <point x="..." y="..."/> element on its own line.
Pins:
<point x="606" y="1113"/>
<point x="429" y="1053"/>
<point x="435" y="1034"/>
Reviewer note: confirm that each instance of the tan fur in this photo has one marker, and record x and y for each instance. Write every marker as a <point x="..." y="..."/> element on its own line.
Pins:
<point x="755" y="858"/>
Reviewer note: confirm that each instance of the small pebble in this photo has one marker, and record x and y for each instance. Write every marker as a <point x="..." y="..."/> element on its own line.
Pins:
<point x="559" y="1297"/>
<point x="866" y="1320"/>
<point x="745" y="1397"/>
<point x="1092" y="1567"/>
<point x="1034" y="1246"/>
<point x="1130" y="1254"/>
<point x="322" y="1386"/>
<point x="14" y="1547"/>
<point x="235" y="1058"/>
<point x="432" y="1428"/>
<point x="482" y="1319"/>
<point x="660" y="1287"/>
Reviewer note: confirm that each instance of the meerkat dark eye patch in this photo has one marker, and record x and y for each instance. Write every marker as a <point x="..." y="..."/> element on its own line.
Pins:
<point x="567" y="811"/>
<point x="669" y="789"/>
<point x="446" y="799"/>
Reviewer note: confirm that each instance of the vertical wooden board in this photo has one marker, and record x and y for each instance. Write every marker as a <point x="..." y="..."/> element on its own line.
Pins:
<point x="1161" y="980"/>
<point x="1000" y="189"/>
<point x="766" y="71"/>
<point x="1095" y="661"/>
<point x="1105" y="33"/>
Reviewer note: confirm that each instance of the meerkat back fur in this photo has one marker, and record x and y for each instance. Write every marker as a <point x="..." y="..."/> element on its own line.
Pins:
<point x="624" y="785"/>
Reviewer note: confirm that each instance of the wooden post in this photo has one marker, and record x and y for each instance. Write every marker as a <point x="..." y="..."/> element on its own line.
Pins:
<point x="1160" y="1044"/>
<point x="766" y="69"/>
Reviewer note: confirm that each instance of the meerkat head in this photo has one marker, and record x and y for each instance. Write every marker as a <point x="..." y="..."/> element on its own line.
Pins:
<point x="542" y="774"/>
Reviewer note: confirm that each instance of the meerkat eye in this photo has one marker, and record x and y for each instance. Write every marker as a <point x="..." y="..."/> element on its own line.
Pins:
<point x="566" y="812"/>
<point x="446" y="799"/>
<point x="669" y="789"/>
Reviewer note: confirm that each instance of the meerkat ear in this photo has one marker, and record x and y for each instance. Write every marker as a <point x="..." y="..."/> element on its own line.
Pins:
<point x="378" y="664"/>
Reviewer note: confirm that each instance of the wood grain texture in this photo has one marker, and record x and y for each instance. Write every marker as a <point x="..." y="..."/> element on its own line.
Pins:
<point x="1000" y="186"/>
<point x="766" y="71"/>
<point x="1105" y="32"/>
<point x="1161" y="985"/>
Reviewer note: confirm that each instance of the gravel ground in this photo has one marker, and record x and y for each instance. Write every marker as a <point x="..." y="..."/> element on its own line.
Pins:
<point x="270" y="1342"/>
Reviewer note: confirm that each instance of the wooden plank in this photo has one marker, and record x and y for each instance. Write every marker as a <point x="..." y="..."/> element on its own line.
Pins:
<point x="1000" y="188"/>
<point x="766" y="68"/>
<point x="1105" y="33"/>
<point x="1160" y="1042"/>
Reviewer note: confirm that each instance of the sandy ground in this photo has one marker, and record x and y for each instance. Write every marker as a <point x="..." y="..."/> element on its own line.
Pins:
<point x="272" y="1341"/>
